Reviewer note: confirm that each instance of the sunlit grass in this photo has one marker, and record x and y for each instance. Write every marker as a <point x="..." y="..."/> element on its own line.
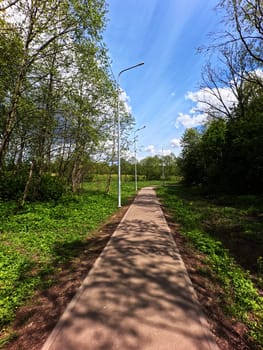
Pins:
<point x="34" y="241"/>
<point x="231" y="239"/>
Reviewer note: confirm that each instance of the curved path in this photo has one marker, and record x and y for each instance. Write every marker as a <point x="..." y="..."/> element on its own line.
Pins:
<point x="138" y="295"/>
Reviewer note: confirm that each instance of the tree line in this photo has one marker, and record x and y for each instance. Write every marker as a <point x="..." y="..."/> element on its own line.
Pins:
<point x="57" y="95"/>
<point x="153" y="167"/>
<point x="227" y="153"/>
<point x="58" y="102"/>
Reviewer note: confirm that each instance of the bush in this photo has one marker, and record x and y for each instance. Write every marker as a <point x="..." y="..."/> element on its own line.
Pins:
<point x="12" y="186"/>
<point x="51" y="188"/>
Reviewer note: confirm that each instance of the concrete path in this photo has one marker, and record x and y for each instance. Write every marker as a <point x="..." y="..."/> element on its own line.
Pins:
<point x="138" y="295"/>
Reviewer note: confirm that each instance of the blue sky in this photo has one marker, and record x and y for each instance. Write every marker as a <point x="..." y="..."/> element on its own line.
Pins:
<point x="165" y="34"/>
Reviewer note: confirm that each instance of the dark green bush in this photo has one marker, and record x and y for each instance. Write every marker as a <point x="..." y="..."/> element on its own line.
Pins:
<point x="51" y="188"/>
<point x="12" y="186"/>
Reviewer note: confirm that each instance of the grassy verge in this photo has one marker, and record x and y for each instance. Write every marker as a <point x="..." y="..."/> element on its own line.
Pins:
<point x="37" y="240"/>
<point x="229" y="232"/>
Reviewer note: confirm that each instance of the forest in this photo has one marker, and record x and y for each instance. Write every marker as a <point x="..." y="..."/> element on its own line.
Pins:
<point x="225" y="155"/>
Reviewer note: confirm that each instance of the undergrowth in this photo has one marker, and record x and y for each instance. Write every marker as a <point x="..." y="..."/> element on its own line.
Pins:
<point x="197" y="217"/>
<point x="36" y="240"/>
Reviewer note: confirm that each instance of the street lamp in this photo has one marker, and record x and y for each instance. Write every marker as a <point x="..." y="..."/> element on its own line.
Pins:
<point x="163" y="176"/>
<point x="119" y="131"/>
<point x="135" y="157"/>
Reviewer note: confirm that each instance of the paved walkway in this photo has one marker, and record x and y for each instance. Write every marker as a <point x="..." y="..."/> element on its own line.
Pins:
<point x="138" y="295"/>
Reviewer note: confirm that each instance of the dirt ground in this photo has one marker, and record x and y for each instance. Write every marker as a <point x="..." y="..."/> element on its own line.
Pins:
<point x="35" y="321"/>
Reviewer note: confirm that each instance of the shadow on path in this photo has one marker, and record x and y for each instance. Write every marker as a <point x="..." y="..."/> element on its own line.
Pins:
<point x="138" y="294"/>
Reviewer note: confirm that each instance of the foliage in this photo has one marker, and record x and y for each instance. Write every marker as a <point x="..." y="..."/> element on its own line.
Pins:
<point x="157" y="167"/>
<point x="243" y="145"/>
<point x="225" y="156"/>
<point x="38" y="238"/>
<point x="190" y="162"/>
<point x="57" y="96"/>
<point x="10" y="55"/>
<point x="212" y="229"/>
<point x="50" y="188"/>
<point x="12" y="185"/>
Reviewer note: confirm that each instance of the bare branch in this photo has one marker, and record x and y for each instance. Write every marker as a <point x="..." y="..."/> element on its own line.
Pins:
<point x="8" y="5"/>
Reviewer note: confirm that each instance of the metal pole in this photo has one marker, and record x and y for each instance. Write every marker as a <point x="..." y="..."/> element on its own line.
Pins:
<point x="135" y="158"/>
<point x="162" y="166"/>
<point x="119" y="146"/>
<point x="135" y="166"/>
<point x="119" y="131"/>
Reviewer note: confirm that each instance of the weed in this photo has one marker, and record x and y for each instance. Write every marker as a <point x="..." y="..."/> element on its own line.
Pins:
<point x="42" y="236"/>
<point x="223" y="233"/>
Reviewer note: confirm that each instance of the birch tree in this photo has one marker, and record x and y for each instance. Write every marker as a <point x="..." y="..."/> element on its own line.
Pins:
<point x="40" y="25"/>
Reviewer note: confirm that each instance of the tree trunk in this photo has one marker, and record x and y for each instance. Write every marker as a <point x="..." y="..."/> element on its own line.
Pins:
<point x="26" y="190"/>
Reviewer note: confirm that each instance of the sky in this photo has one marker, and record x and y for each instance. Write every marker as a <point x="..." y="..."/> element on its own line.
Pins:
<point x="165" y="35"/>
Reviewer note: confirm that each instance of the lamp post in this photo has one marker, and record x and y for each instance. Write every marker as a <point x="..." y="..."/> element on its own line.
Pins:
<point x="163" y="176"/>
<point x="119" y="131"/>
<point x="135" y="157"/>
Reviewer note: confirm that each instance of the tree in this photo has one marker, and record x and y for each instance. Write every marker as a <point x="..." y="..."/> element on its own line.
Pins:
<point x="245" y="18"/>
<point x="11" y="50"/>
<point x="151" y="168"/>
<point x="57" y="96"/>
<point x="223" y="86"/>
<point x="190" y="162"/>
<point x="239" y="56"/>
<point x="213" y="148"/>
<point x="42" y="24"/>
<point x="170" y="166"/>
<point x="243" y="156"/>
<point x="225" y="156"/>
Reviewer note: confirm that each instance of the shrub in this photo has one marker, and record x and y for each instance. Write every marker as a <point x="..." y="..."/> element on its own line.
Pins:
<point x="51" y="188"/>
<point x="12" y="186"/>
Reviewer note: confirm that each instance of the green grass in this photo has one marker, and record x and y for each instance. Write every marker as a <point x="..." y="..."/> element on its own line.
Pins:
<point x="229" y="231"/>
<point x="36" y="240"/>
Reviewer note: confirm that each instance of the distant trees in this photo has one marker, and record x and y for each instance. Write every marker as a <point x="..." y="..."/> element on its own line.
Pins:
<point x="155" y="167"/>
<point x="190" y="159"/>
<point x="227" y="154"/>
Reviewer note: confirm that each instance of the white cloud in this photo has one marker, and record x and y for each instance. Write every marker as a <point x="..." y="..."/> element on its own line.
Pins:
<point x="165" y="152"/>
<point x="175" y="143"/>
<point x="150" y="149"/>
<point x="161" y="152"/>
<point x="126" y="101"/>
<point x="257" y="73"/>
<point x="189" y="121"/>
<point x="221" y="98"/>
<point x="205" y="97"/>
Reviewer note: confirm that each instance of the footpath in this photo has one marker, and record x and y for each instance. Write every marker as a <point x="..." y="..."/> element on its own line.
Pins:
<point x="138" y="295"/>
